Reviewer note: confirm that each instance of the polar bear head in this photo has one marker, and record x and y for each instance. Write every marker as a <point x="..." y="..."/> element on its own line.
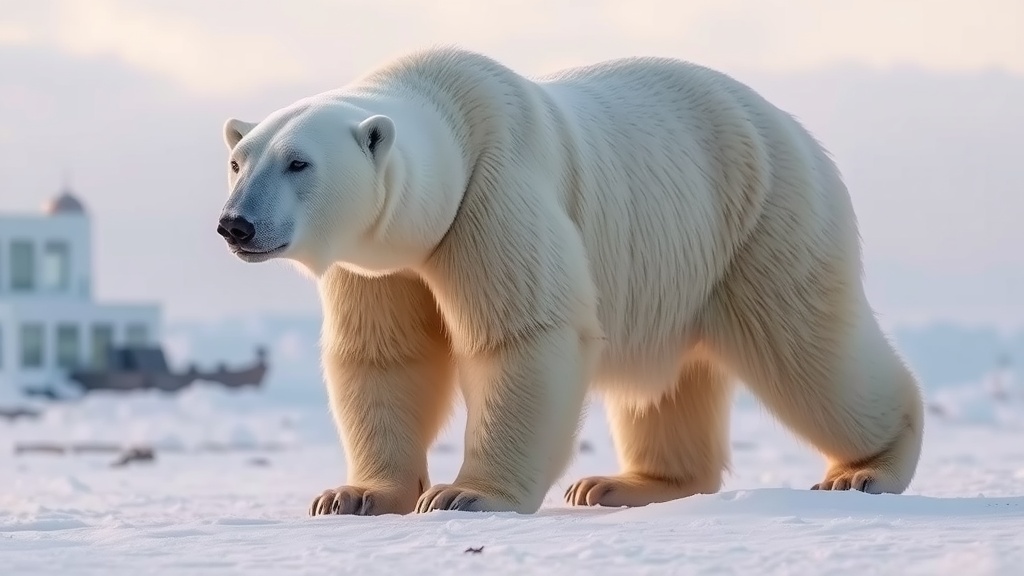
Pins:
<point x="305" y="183"/>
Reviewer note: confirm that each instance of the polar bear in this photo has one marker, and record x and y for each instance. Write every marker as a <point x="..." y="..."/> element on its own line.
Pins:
<point x="644" y="228"/>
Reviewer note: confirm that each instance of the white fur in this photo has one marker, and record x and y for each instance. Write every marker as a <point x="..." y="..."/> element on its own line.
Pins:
<point x="645" y="228"/>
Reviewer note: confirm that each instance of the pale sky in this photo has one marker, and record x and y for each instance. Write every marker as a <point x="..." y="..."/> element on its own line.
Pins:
<point x="226" y="46"/>
<point x="918" y="100"/>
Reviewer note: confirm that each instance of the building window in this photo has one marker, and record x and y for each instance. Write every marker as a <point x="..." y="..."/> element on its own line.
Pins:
<point x="102" y="343"/>
<point x="56" y="266"/>
<point x="137" y="334"/>
<point x="68" y="346"/>
<point x="23" y="265"/>
<point x="32" y="345"/>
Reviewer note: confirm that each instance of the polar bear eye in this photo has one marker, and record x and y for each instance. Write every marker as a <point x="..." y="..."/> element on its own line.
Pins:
<point x="297" y="166"/>
<point x="234" y="167"/>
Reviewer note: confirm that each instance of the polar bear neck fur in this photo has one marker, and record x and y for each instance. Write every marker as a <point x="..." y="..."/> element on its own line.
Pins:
<point x="418" y="192"/>
<point x="448" y="116"/>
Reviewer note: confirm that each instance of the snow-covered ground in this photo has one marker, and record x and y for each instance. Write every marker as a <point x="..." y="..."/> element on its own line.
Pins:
<point x="234" y="475"/>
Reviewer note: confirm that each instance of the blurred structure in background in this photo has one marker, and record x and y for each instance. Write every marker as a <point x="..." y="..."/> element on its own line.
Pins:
<point x="55" y="338"/>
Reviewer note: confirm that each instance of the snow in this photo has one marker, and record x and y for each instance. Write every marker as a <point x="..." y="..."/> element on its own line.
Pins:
<point x="235" y="472"/>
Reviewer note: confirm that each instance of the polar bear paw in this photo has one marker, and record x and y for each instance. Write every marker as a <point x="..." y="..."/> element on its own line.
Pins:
<point x="454" y="497"/>
<point x="632" y="490"/>
<point x="867" y="480"/>
<point x="357" y="501"/>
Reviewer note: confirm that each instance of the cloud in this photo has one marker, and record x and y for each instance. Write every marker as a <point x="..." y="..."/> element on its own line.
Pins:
<point x="797" y="35"/>
<point x="183" y="45"/>
<point x="235" y="46"/>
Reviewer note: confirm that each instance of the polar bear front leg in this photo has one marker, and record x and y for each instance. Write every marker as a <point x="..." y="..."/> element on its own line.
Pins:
<point x="524" y="399"/>
<point x="390" y="383"/>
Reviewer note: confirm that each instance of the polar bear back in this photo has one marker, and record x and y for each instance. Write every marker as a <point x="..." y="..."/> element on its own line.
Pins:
<point x="678" y="165"/>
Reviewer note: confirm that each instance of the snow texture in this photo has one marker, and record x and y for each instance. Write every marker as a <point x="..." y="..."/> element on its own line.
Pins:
<point x="234" y="474"/>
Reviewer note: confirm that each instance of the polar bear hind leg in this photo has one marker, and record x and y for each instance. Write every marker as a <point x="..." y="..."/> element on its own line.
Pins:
<point x="809" y="347"/>
<point x="674" y="448"/>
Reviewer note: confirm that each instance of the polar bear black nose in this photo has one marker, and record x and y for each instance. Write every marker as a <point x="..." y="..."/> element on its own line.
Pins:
<point x="236" y="229"/>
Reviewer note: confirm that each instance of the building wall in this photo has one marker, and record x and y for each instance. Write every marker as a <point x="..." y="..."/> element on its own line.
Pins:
<point x="51" y="318"/>
<point x="58" y="300"/>
<point x="73" y="230"/>
<point x="7" y="366"/>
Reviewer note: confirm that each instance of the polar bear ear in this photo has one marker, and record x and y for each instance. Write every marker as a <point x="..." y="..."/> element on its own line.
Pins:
<point x="376" y="135"/>
<point x="235" y="130"/>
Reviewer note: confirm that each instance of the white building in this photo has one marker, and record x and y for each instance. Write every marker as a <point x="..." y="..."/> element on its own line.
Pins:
<point x="49" y="321"/>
